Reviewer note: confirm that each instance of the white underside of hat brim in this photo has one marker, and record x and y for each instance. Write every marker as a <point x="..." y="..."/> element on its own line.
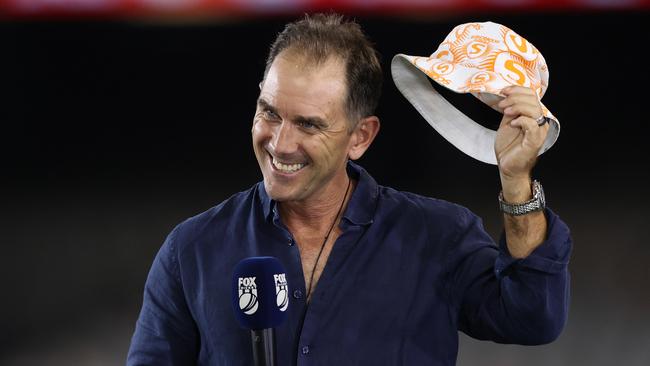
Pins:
<point x="461" y="131"/>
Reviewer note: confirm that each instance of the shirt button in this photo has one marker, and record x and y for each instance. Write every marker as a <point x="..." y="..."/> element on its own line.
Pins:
<point x="305" y="350"/>
<point x="297" y="294"/>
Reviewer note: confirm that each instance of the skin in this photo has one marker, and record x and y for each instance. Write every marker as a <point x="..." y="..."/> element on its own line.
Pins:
<point x="301" y="119"/>
<point x="517" y="144"/>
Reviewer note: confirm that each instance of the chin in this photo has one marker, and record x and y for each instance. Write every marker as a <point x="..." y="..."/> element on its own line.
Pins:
<point x="278" y="193"/>
<point x="282" y="197"/>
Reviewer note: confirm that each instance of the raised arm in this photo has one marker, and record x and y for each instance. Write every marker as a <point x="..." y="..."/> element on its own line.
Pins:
<point x="518" y="142"/>
<point x="520" y="292"/>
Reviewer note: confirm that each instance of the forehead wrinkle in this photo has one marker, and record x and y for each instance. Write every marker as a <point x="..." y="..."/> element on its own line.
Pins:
<point x="296" y="80"/>
<point x="262" y="102"/>
<point x="310" y="62"/>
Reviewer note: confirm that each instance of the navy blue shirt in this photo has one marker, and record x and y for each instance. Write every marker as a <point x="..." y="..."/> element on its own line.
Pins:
<point x="404" y="276"/>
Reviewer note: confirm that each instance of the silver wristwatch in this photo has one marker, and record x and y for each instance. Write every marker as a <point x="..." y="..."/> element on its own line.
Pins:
<point x="537" y="203"/>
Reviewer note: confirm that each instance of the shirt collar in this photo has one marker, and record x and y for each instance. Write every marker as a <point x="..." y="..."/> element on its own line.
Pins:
<point x="267" y="203"/>
<point x="362" y="204"/>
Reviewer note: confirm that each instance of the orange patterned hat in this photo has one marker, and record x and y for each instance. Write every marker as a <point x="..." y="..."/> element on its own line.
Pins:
<point x="476" y="58"/>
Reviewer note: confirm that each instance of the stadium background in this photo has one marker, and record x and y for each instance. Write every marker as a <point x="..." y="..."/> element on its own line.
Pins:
<point x="122" y="118"/>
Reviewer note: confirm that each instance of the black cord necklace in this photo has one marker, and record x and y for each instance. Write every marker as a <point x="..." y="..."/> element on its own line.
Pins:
<point x="322" y="246"/>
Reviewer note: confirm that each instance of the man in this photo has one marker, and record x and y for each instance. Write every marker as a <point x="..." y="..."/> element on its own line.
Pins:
<point x="378" y="277"/>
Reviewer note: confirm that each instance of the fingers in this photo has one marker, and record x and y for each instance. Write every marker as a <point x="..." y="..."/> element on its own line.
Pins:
<point x="525" y="123"/>
<point x="520" y="101"/>
<point x="534" y="133"/>
<point x="523" y="109"/>
<point x="516" y="89"/>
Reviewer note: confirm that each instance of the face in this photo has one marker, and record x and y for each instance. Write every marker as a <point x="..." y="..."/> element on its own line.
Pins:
<point x="300" y="130"/>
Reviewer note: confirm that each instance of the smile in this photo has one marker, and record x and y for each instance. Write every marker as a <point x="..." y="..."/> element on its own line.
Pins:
<point x="285" y="167"/>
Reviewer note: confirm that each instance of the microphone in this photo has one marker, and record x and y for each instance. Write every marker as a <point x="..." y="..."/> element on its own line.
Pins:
<point x="260" y="298"/>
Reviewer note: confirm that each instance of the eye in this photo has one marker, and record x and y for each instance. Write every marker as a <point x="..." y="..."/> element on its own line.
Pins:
<point x="307" y="125"/>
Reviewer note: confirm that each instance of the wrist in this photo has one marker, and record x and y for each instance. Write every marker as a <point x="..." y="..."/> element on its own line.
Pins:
<point x="516" y="189"/>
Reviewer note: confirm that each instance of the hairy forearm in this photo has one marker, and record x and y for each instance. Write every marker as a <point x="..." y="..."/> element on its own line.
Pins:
<point x="526" y="232"/>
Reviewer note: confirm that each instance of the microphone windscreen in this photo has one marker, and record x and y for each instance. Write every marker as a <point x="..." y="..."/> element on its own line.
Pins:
<point x="260" y="293"/>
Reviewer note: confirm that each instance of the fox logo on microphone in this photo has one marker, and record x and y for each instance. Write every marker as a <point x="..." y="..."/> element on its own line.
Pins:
<point x="248" y="302"/>
<point x="260" y="292"/>
<point x="281" y="291"/>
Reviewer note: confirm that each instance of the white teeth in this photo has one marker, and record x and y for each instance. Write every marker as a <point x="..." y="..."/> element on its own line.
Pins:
<point x="287" y="168"/>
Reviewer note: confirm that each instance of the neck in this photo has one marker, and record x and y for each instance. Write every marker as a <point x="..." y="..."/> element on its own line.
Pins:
<point x="318" y="213"/>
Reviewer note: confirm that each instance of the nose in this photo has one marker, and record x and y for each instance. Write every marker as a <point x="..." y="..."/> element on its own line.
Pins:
<point x="285" y="139"/>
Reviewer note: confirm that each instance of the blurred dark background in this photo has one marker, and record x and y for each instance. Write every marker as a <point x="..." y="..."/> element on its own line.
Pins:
<point x="114" y="130"/>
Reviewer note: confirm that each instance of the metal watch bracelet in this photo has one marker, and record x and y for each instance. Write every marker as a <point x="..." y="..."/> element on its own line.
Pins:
<point x="537" y="203"/>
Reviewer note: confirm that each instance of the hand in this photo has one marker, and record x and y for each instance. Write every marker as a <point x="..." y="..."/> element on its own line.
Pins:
<point x="519" y="138"/>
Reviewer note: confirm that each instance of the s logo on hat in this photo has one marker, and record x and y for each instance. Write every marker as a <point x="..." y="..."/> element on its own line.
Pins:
<point x="476" y="58"/>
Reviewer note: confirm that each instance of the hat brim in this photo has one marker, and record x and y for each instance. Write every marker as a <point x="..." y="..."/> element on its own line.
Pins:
<point x="461" y="131"/>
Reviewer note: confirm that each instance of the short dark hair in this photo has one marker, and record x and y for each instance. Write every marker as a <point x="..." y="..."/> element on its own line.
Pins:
<point x="321" y="36"/>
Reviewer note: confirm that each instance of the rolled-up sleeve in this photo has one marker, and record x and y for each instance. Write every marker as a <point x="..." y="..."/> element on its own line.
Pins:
<point x="509" y="300"/>
<point x="165" y="333"/>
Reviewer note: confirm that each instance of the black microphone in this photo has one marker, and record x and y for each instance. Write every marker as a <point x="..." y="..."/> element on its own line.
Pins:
<point x="260" y="298"/>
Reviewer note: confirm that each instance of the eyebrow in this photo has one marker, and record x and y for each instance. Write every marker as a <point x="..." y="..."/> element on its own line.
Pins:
<point x="316" y="121"/>
<point x="266" y="105"/>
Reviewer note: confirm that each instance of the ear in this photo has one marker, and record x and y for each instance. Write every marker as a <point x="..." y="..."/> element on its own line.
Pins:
<point x="362" y="136"/>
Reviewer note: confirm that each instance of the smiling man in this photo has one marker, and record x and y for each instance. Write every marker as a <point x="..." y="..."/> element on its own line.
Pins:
<point x="377" y="276"/>
<point x="303" y="136"/>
